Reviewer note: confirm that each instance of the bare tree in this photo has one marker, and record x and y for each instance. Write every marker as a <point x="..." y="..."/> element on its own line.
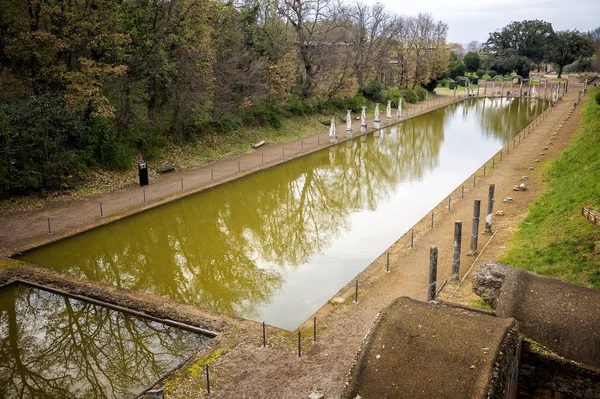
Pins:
<point x="371" y="33"/>
<point x="313" y="21"/>
<point x="427" y="39"/>
<point x="474" y="45"/>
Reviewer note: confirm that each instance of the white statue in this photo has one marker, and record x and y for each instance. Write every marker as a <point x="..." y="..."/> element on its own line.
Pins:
<point x="348" y="121"/>
<point x="400" y="109"/>
<point x="363" y="117"/>
<point x="388" y="110"/>
<point x="332" y="131"/>
<point x="376" y="112"/>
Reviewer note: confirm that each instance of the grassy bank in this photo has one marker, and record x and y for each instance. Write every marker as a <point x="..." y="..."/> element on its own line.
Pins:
<point x="215" y="147"/>
<point x="554" y="239"/>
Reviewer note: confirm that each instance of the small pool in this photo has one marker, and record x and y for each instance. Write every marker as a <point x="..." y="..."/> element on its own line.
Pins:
<point x="55" y="346"/>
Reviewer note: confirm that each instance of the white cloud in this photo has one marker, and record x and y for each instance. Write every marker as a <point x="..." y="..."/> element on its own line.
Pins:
<point x="475" y="19"/>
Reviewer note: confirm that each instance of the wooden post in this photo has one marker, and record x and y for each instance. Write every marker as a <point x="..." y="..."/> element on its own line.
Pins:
<point x="50" y="230"/>
<point x="490" y="209"/>
<point x="207" y="380"/>
<point x="299" y="344"/>
<point x="264" y="335"/>
<point x="456" y="253"/>
<point x="433" y="258"/>
<point x="387" y="262"/>
<point x="475" y="228"/>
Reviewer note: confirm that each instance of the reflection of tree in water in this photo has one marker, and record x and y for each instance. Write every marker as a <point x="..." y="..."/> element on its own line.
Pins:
<point x="504" y="118"/>
<point x="224" y="248"/>
<point x="228" y="248"/>
<point x="56" y="347"/>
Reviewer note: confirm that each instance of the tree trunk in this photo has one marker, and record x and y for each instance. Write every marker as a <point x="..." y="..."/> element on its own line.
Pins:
<point x="308" y="82"/>
<point x="560" y="69"/>
<point x="522" y="72"/>
<point x="309" y="71"/>
<point x="152" y="95"/>
<point x="125" y="115"/>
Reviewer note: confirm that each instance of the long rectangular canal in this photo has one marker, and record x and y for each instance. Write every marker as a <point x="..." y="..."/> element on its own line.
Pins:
<point x="276" y="245"/>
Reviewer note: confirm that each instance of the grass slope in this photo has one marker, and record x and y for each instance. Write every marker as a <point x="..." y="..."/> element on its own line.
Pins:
<point x="554" y="239"/>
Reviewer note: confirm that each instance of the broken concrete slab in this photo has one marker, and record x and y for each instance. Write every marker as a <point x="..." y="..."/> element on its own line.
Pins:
<point x="488" y="280"/>
<point x="562" y="316"/>
<point x="431" y="350"/>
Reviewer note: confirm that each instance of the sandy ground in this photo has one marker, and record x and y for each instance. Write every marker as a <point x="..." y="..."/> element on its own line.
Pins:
<point x="241" y="367"/>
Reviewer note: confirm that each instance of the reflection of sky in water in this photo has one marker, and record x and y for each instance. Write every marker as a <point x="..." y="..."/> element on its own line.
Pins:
<point x="276" y="245"/>
<point x="372" y="232"/>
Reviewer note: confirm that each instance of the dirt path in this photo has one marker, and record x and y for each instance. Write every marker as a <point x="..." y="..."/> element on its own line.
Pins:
<point x="244" y="369"/>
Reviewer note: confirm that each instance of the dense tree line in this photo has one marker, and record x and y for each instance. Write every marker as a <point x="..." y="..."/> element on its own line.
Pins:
<point x="522" y="46"/>
<point x="89" y="83"/>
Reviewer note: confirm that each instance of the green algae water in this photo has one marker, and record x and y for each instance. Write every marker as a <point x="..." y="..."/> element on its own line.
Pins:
<point x="53" y="346"/>
<point x="276" y="245"/>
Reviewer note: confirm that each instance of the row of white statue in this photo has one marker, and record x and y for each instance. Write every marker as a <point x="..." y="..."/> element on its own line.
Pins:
<point x="363" y="118"/>
<point x="555" y="90"/>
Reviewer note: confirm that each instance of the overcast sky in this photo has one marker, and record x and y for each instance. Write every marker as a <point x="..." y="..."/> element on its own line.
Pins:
<point x="474" y="19"/>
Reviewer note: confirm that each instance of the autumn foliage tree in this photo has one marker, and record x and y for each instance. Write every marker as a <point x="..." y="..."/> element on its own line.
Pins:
<point x="88" y="84"/>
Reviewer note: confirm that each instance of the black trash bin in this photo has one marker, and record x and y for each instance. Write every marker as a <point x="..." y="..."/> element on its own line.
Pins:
<point x="143" y="172"/>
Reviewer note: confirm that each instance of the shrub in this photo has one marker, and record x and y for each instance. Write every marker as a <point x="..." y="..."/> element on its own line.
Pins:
<point x="392" y="94"/>
<point x="296" y="106"/>
<point x="373" y="91"/>
<point x="480" y="73"/>
<point x="456" y="69"/>
<point x="145" y="139"/>
<point x="474" y="80"/>
<point x="110" y="153"/>
<point x="263" y="113"/>
<point x="420" y="93"/>
<point x="443" y="82"/>
<point x="409" y="96"/>
<point x="42" y="145"/>
<point x="356" y="103"/>
<point x="492" y="73"/>
<point x="451" y="85"/>
<point x="597" y="97"/>
<point x="226" y="125"/>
